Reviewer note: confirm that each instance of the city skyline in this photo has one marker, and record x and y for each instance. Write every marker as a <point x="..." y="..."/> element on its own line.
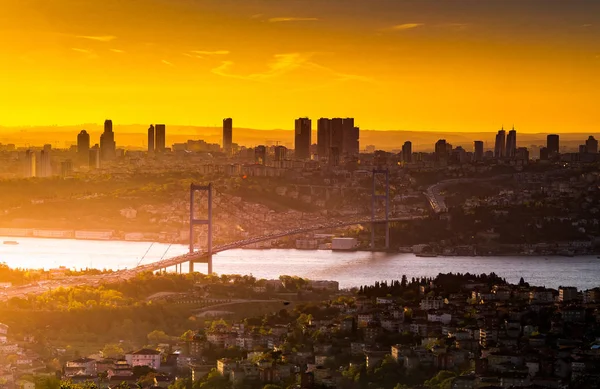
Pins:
<point x="384" y="56"/>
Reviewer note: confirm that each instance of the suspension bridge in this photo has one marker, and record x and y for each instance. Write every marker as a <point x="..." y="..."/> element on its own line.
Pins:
<point x="194" y="256"/>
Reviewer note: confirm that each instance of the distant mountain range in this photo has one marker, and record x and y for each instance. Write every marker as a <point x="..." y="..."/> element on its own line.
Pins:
<point x="134" y="136"/>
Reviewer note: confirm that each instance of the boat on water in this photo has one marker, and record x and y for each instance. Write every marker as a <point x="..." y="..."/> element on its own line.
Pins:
<point x="426" y="255"/>
<point x="13" y="242"/>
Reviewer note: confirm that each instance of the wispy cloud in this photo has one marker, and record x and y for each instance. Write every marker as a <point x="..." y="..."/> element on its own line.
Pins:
<point x="102" y="38"/>
<point x="256" y="16"/>
<point x="117" y="51"/>
<point x="292" y="19"/>
<point x="283" y="64"/>
<point x="405" y="26"/>
<point x="88" y="53"/>
<point x="167" y="62"/>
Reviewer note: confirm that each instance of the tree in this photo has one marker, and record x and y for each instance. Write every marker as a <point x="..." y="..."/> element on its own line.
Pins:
<point x="112" y="350"/>
<point x="156" y="337"/>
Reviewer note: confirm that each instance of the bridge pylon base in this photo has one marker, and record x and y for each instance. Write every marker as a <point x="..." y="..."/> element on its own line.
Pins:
<point x="207" y="260"/>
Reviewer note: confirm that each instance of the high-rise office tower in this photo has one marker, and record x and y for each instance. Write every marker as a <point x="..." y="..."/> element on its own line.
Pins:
<point x="45" y="168"/>
<point x="591" y="145"/>
<point x="29" y="166"/>
<point x="336" y="142"/>
<point x="323" y="138"/>
<point x="161" y="134"/>
<point x="350" y="136"/>
<point x="478" y="151"/>
<point x="544" y="155"/>
<point x="280" y="153"/>
<point x="227" y="135"/>
<point x="522" y="154"/>
<point x="407" y="152"/>
<point x="500" y="145"/>
<point x="108" y="147"/>
<point x="66" y="168"/>
<point x="302" y="139"/>
<point x="552" y="144"/>
<point x="260" y="155"/>
<point x="151" y="139"/>
<point x="441" y="150"/>
<point x="83" y="146"/>
<point x="511" y="143"/>
<point x="94" y="158"/>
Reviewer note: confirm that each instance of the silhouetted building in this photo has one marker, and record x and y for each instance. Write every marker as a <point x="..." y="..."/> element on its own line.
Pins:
<point x="94" y="160"/>
<point x="441" y="150"/>
<point x="511" y="143"/>
<point x="29" y="166"/>
<point x="500" y="145"/>
<point x="280" y="153"/>
<point x="407" y="152"/>
<point x="66" y="168"/>
<point x="591" y="145"/>
<point x="108" y="147"/>
<point x="151" y="139"/>
<point x="45" y="169"/>
<point x="350" y="135"/>
<point x="302" y="140"/>
<point x="83" y="146"/>
<point x="478" y="151"/>
<point x="522" y="154"/>
<point x="161" y="134"/>
<point x="552" y="144"/>
<point x="544" y="155"/>
<point x="227" y="135"/>
<point x="323" y="138"/>
<point x="337" y="137"/>
<point x="260" y="155"/>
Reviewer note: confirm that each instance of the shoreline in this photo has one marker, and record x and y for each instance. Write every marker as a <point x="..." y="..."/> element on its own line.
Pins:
<point x="14" y="238"/>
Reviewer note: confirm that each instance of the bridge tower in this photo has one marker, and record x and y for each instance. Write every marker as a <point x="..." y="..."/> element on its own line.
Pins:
<point x="374" y="198"/>
<point x="208" y="222"/>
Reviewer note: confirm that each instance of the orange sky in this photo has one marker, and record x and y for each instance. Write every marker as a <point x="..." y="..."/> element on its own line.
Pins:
<point x="449" y="65"/>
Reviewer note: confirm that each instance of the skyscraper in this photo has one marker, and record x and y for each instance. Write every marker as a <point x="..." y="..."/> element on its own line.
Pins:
<point x="336" y="143"/>
<point x="441" y="150"/>
<point x="591" y="145"/>
<point x="280" y="153"/>
<point x="302" y="139"/>
<point x="83" y="146"/>
<point x="500" y="145"/>
<point x="161" y="133"/>
<point x="260" y="155"/>
<point x="151" y="139"/>
<point x="45" y="164"/>
<point x="94" y="158"/>
<point x="350" y="137"/>
<point x="29" y="166"/>
<point x="552" y="145"/>
<point x="478" y="151"/>
<point x="323" y="138"/>
<point x="108" y="147"/>
<point x="407" y="152"/>
<point x="511" y="143"/>
<point x="227" y="135"/>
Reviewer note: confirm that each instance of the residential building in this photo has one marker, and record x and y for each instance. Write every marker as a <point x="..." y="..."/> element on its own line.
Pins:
<point x="227" y="135"/>
<point x="144" y="357"/>
<point x="553" y="145"/>
<point x="151" y="145"/>
<point x="478" y="151"/>
<point x="302" y="139"/>
<point x="160" y="140"/>
<point x="407" y="152"/>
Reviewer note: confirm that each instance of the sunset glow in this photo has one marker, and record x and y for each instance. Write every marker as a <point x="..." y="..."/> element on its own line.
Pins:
<point x="392" y="64"/>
